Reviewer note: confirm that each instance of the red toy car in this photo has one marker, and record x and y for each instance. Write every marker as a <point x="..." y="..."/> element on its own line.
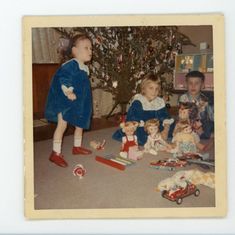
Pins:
<point x="168" y="164"/>
<point x="179" y="193"/>
<point x="187" y="156"/>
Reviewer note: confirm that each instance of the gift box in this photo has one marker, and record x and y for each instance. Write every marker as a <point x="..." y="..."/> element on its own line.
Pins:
<point x="134" y="153"/>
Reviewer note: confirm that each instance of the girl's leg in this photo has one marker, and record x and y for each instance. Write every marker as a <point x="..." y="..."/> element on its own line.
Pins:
<point x="78" y="137"/>
<point x="77" y="149"/>
<point x="58" y="134"/>
<point x="56" y="156"/>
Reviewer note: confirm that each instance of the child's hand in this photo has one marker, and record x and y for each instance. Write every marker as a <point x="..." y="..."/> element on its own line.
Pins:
<point x="72" y="96"/>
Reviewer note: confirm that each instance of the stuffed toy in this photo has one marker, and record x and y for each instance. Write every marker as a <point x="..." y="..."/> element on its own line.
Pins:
<point x="180" y="179"/>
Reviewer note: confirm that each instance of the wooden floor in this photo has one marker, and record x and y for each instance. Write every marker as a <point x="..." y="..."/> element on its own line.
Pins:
<point x="46" y="132"/>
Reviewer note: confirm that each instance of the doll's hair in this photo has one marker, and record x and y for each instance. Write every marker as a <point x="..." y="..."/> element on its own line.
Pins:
<point x="151" y="122"/>
<point x="127" y="124"/>
<point x="74" y="41"/>
<point x="148" y="78"/>
<point x="193" y="110"/>
<point x="195" y="74"/>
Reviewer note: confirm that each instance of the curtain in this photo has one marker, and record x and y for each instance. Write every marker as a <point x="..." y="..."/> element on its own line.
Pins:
<point x="45" y="43"/>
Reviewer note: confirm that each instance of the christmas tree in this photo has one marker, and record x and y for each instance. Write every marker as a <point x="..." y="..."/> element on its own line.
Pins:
<point x="122" y="55"/>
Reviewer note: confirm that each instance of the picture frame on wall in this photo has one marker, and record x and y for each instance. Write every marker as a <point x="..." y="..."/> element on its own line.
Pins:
<point x="185" y="63"/>
<point x="103" y="190"/>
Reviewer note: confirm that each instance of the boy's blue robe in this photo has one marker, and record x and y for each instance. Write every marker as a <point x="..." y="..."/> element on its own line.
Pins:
<point x="78" y="112"/>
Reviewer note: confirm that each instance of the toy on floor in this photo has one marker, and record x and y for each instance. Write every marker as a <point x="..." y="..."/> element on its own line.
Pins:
<point x="168" y="164"/>
<point x="155" y="141"/>
<point x="117" y="162"/>
<point x="79" y="170"/>
<point x="201" y="163"/>
<point x="97" y="144"/>
<point x="193" y="176"/>
<point x="178" y="193"/>
<point x="194" y="156"/>
<point x="187" y="141"/>
<point x="188" y="113"/>
<point x="130" y="140"/>
<point x="134" y="153"/>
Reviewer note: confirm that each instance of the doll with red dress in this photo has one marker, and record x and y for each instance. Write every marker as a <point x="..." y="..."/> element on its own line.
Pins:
<point x="130" y="147"/>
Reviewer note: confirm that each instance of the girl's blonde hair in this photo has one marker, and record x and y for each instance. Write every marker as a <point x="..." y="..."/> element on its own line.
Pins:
<point x="148" y="78"/>
<point x="151" y="122"/>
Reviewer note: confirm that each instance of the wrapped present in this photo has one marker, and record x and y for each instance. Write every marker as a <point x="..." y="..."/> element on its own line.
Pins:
<point x="134" y="153"/>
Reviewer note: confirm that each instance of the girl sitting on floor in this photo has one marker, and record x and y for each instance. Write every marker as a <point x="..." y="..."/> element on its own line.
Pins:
<point x="146" y="106"/>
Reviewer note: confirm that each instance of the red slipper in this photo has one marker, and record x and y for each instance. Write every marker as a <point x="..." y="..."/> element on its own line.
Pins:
<point x="81" y="150"/>
<point x="58" y="159"/>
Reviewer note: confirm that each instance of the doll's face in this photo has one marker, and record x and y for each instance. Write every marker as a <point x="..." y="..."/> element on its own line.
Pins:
<point x="83" y="50"/>
<point x="151" y="91"/>
<point x="194" y="85"/>
<point x="187" y="129"/>
<point x="153" y="129"/>
<point x="183" y="114"/>
<point x="130" y="130"/>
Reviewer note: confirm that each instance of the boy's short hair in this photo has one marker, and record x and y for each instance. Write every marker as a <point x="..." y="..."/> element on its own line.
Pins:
<point x="150" y="77"/>
<point x="196" y="74"/>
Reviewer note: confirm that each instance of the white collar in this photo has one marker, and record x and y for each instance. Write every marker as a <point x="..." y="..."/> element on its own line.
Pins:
<point x="156" y="104"/>
<point x="82" y="66"/>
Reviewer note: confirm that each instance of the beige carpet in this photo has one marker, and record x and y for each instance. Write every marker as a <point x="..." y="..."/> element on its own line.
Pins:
<point x="103" y="186"/>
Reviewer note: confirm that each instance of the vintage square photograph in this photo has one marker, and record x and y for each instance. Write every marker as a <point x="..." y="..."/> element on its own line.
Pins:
<point x="124" y="116"/>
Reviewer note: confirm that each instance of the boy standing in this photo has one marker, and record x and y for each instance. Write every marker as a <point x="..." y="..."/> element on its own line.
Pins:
<point x="204" y="126"/>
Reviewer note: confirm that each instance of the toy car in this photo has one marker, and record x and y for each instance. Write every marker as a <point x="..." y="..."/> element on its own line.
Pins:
<point x="187" y="156"/>
<point x="168" y="164"/>
<point x="179" y="193"/>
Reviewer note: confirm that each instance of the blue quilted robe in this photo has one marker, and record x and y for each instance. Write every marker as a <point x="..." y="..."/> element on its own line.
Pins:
<point x="78" y="112"/>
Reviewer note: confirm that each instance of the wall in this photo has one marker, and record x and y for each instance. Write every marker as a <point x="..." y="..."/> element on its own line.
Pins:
<point x="197" y="34"/>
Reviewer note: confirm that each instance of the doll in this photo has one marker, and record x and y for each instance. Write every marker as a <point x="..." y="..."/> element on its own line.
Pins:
<point x="155" y="141"/>
<point x="129" y="140"/>
<point x="188" y="114"/>
<point x="187" y="141"/>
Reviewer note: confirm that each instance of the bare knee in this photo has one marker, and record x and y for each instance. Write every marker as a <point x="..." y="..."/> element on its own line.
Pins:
<point x="62" y="124"/>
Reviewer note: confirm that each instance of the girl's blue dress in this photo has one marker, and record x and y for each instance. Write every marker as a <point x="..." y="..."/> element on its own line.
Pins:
<point x="77" y="112"/>
<point x="142" y="109"/>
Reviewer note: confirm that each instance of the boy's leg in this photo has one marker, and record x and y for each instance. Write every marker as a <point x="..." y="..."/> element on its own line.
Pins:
<point x="56" y="155"/>
<point x="77" y="149"/>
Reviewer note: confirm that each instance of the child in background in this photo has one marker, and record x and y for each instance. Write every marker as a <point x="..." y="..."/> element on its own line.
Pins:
<point x="145" y="106"/>
<point x="69" y="99"/>
<point x="195" y="83"/>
